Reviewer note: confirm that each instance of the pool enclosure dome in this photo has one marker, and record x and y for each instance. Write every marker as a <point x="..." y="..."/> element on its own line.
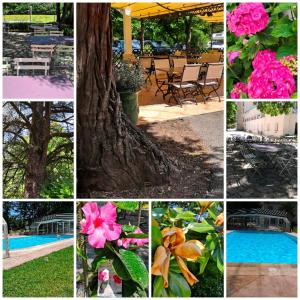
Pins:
<point x="258" y="219"/>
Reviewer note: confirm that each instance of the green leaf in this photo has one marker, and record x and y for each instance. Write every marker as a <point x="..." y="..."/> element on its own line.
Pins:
<point x="120" y="269"/>
<point x="285" y="50"/>
<point x="158" y="287"/>
<point x="127" y="205"/>
<point x="128" y="228"/>
<point x="220" y="263"/>
<point x="132" y="290"/>
<point x="158" y="212"/>
<point x="282" y="30"/>
<point x="137" y="235"/>
<point x="156" y="237"/>
<point x="178" y="286"/>
<point x="80" y="252"/>
<point x="201" y="227"/>
<point x="281" y="7"/>
<point x="212" y="241"/>
<point x="186" y="216"/>
<point x="135" y="267"/>
<point x="174" y="266"/>
<point x="203" y="260"/>
<point x="98" y="262"/>
<point x="212" y="214"/>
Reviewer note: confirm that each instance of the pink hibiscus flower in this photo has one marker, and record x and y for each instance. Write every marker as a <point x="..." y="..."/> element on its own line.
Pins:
<point x="125" y="242"/>
<point x="100" y="224"/>
<point x="103" y="276"/>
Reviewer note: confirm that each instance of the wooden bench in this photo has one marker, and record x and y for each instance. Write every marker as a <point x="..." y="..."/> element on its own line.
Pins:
<point x="40" y="32"/>
<point x="56" y="33"/>
<point x="64" y="49"/>
<point x="6" y="65"/>
<point x="37" y="63"/>
<point x="42" y="49"/>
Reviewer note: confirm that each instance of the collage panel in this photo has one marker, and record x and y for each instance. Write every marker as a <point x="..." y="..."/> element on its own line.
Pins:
<point x="168" y="65"/>
<point x="261" y="249"/>
<point x="262" y="150"/>
<point x="262" y="50"/>
<point x="38" y="252"/>
<point x="38" y="51"/>
<point x="38" y="157"/>
<point x="187" y="248"/>
<point x="112" y="249"/>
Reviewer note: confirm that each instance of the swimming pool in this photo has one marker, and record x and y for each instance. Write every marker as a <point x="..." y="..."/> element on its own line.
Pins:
<point x="33" y="240"/>
<point x="261" y="247"/>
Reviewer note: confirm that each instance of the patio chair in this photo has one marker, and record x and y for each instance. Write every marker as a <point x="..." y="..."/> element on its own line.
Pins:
<point x="161" y="77"/>
<point x="56" y="33"/>
<point x="33" y="64"/>
<point x="46" y="49"/>
<point x="146" y="64"/>
<point x="179" y="62"/>
<point x="187" y="86"/>
<point x="6" y="65"/>
<point x="287" y="162"/>
<point x="212" y="79"/>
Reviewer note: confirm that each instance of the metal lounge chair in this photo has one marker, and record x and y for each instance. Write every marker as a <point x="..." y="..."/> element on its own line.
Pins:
<point x="161" y="76"/>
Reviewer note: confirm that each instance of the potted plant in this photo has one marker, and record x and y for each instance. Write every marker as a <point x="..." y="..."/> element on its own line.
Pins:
<point x="129" y="80"/>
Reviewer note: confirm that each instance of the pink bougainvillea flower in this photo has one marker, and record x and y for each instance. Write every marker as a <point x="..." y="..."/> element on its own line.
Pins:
<point x="272" y="80"/>
<point x="103" y="276"/>
<point x="125" y="242"/>
<point x="238" y="89"/>
<point x="117" y="279"/>
<point x="263" y="57"/>
<point x="247" y="19"/>
<point x="232" y="55"/>
<point x="100" y="224"/>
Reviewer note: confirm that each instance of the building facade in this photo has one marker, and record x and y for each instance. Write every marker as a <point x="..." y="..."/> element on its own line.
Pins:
<point x="250" y="119"/>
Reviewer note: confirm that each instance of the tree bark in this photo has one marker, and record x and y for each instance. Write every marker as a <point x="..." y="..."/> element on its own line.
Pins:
<point x="188" y="31"/>
<point x="58" y="13"/>
<point x="112" y="154"/>
<point x="37" y="151"/>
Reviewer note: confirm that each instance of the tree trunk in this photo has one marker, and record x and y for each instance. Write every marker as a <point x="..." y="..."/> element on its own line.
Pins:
<point x="188" y="31"/>
<point x="37" y="149"/>
<point x="112" y="154"/>
<point x="58" y="13"/>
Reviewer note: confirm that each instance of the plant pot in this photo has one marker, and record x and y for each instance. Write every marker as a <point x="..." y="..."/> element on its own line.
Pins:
<point x="130" y="105"/>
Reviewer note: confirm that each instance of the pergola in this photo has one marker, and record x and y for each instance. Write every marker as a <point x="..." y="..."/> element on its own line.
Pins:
<point x="54" y="224"/>
<point x="5" y="238"/>
<point x="258" y="218"/>
<point x="210" y="12"/>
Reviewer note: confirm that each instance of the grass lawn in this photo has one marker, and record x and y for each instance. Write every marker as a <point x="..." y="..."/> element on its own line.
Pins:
<point x="35" y="18"/>
<point x="42" y="277"/>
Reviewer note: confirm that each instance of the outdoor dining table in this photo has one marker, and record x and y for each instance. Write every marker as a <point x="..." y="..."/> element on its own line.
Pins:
<point x="172" y="72"/>
<point x="37" y="87"/>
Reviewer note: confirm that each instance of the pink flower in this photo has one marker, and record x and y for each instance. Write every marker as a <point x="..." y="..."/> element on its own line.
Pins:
<point x="247" y="18"/>
<point x="125" y="242"/>
<point x="103" y="275"/>
<point x="232" y="55"/>
<point x="238" y="89"/>
<point x="263" y="57"/>
<point x="245" y="41"/>
<point x="272" y="80"/>
<point x="117" y="279"/>
<point x="100" y="224"/>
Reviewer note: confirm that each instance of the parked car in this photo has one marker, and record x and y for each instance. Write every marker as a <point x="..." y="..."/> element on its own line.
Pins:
<point x="118" y="46"/>
<point x="158" y="47"/>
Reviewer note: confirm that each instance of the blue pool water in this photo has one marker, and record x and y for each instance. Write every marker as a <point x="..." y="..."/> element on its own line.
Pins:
<point x="33" y="240"/>
<point x="261" y="247"/>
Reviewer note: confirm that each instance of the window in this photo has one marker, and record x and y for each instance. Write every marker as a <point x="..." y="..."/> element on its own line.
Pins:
<point x="276" y="127"/>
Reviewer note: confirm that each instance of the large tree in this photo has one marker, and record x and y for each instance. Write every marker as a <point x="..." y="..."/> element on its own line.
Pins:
<point x="111" y="152"/>
<point x="38" y="138"/>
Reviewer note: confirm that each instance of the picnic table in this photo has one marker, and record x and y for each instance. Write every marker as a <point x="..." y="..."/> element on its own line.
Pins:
<point x="37" y="87"/>
<point x="50" y="40"/>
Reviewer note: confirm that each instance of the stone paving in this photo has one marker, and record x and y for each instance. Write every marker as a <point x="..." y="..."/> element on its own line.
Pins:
<point x="244" y="183"/>
<point x="261" y="280"/>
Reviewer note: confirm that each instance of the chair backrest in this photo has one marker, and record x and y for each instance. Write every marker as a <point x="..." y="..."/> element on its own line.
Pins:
<point x="211" y="57"/>
<point x="214" y="71"/>
<point x="179" y="62"/>
<point x="161" y="64"/>
<point x="44" y="60"/>
<point x="146" y="62"/>
<point x="56" y="33"/>
<point x="190" y="73"/>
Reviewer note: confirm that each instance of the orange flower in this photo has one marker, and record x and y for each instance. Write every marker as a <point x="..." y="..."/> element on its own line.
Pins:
<point x="220" y="219"/>
<point x="205" y="205"/>
<point x="174" y="243"/>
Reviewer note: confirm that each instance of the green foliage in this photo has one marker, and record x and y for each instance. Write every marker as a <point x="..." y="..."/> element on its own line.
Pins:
<point x="23" y="8"/>
<point x="231" y="109"/>
<point x="127" y="205"/>
<point x="41" y="278"/>
<point x="276" y="108"/>
<point x="279" y="36"/>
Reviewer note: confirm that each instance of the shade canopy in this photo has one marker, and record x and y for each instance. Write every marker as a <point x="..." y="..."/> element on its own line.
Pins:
<point x="210" y="12"/>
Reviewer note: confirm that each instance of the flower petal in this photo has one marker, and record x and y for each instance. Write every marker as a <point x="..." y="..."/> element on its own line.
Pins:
<point x="173" y="236"/>
<point x="190" y="250"/>
<point x="108" y="212"/>
<point x="112" y="231"/>
<point x="97" y="238"/>
<point x="190" y="277"/>
<point x="161" y="264"/>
